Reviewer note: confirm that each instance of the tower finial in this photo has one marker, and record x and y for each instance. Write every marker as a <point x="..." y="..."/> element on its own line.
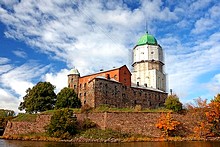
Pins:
<point x="146" y="26"/>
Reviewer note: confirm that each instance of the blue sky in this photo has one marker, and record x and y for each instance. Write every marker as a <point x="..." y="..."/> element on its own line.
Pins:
<point x="42" y="40"/>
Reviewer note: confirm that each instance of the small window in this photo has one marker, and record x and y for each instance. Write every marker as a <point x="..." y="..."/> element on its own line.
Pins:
<point x="80" y="86"/>
<point x="108" y="76"/>
<point x="85" y="85"/>
<point x="152" y="52"/>
<point x="74" y="86"/>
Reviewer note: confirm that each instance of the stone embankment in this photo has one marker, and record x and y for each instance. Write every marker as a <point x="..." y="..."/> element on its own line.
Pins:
<point x="128" y="122"/>
<point x="27" y="127"/>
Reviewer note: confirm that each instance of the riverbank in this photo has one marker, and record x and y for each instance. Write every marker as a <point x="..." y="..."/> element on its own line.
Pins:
<point x="108" y="140"/>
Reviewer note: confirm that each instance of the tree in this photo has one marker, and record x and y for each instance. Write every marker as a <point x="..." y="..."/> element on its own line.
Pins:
<point x="63" y="124"/>
<point x="216" y="98"/>
<point x="5" y="116"/>
<point x="6" y="113"/>
<point x="172" y="102"/>
<point x="39" y="98"/>
<point x="213" y="117"/>
<point x="167" y="124"/>
<point x="67" y="98"/>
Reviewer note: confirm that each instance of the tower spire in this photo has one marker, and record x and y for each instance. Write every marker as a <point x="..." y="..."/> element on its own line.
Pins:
<point x="146" y="26"/>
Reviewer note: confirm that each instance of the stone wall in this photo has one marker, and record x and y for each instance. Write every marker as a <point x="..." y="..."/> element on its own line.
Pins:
<point x="25" y="127"/>
<point x="117" y="95"/>
<point x="129" y="122"/>
<point x="139" y="122"/>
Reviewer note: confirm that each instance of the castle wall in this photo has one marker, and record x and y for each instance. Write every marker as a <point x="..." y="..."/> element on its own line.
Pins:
<point x="27" y="127"/>
<point x="117" y="95"/>
<point x="86" y="94"/>
<point x="128" y="122"/>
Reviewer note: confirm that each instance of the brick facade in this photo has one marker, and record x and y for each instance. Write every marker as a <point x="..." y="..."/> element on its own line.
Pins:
<point x="113" y="88"/>
<point x="117" y="95"/>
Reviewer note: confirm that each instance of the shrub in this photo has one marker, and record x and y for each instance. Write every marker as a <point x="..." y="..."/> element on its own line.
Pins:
<point x="63" y="124"/>
<point x="172" y="102"/>
<point x="87" y="124"/>
<point x="137" y="108"/>
<point x="213" y="117"/>
<point x="167" y="124"/>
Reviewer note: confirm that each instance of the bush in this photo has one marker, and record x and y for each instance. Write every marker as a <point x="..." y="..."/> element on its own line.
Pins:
<point x="63" y="124"/>
<point x="172" y="102"/>
<point x="137" y="108"/>
<point x="167" y="124"/>
<point x="87" y="124"/>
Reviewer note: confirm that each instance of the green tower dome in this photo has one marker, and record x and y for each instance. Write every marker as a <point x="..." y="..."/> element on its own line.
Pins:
<point x="147" y="39"/>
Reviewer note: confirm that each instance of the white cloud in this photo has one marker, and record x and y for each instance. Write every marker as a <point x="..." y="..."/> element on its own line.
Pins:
<point x="8" y="101"/>
<point x="4" y="66"/>
<point x="16" y="80"/>
<point x="4" y="60"/>
<point x="81" y="37"/>
<point x="20" y="53"/>
<point x="58" y="79"/>
<point x="91" y="35"/>
<point x="209" y="21"/>
<point x="20" y="78"/>
<point x="196" y="5"/>
<point x="214" y="84"/>
<point x="185" y="64"/>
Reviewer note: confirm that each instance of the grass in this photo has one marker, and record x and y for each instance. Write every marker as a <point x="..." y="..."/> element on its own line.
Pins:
<point x="25" y="117"/>
<point x="103" y="108"/>
<point x="51" y="112"/>
<point x="106" y="108"/>
<point x="95" y="133"/>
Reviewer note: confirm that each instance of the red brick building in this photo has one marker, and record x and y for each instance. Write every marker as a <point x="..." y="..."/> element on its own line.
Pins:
<point x="113" y="88"/>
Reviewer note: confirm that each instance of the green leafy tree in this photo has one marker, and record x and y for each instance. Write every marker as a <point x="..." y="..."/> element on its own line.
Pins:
<point x="5" y="116"/>
<point x="39" y="98"/>
<point x="63" y="124"/>
<point x="172" y="102"/>
<point x="67" y="98"/>
<point x="6" y="113"/>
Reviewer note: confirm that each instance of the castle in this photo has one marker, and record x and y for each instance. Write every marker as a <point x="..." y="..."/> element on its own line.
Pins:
<point x="118" y="87"/>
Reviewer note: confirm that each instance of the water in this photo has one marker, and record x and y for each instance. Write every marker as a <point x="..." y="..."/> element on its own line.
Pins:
<point x="17" y="143"/>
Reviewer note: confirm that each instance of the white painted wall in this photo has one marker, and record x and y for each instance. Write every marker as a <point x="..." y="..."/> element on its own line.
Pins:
<point x="142" y="55"/>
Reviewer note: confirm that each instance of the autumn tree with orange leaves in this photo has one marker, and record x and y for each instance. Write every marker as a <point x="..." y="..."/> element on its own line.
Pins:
<point x="167" y="124"/>
<point x="208" y="116"/>
<point x="213" y="117"/>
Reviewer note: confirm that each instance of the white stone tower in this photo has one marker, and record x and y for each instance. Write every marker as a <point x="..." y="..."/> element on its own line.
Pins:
<point x="148" y="64"/>
<point x="73" y="79"/>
